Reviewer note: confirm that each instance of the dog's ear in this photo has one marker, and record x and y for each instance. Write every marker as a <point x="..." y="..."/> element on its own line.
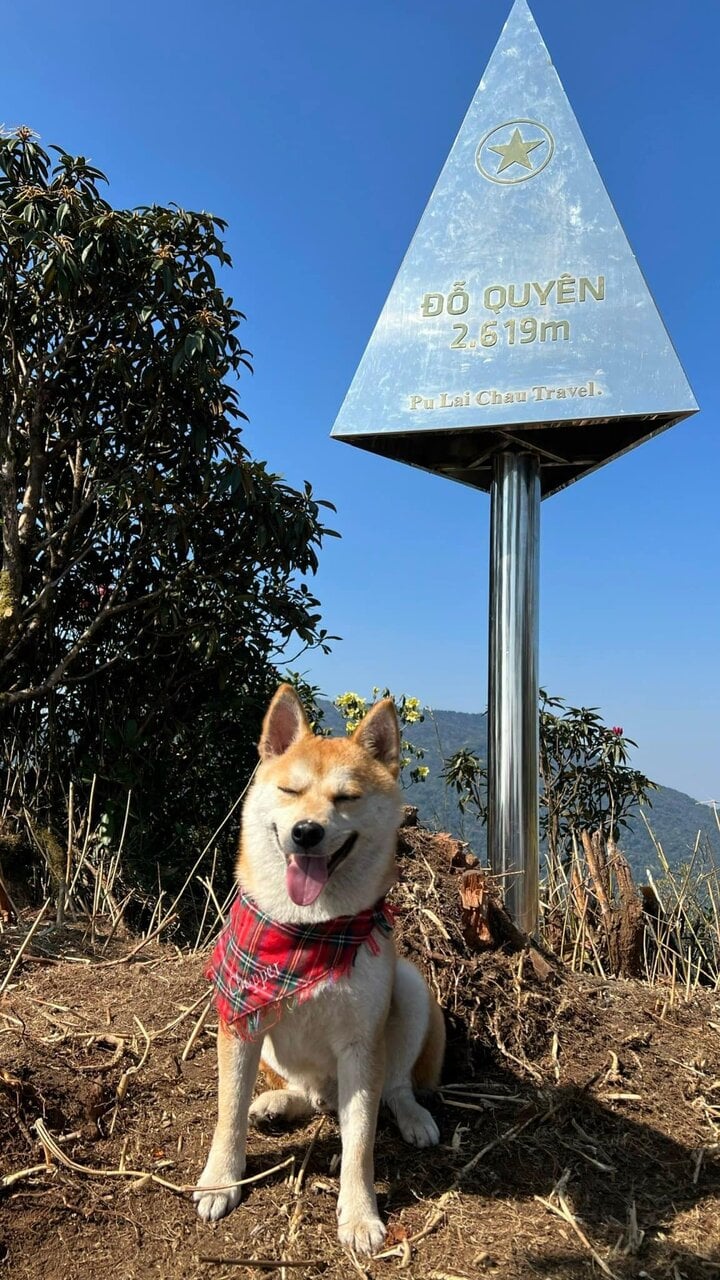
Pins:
<point x="379" y="734"/>
<point x="284" y="723"/>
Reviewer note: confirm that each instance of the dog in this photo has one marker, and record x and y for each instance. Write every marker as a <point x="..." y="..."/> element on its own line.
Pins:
<point x="317" y="856"/>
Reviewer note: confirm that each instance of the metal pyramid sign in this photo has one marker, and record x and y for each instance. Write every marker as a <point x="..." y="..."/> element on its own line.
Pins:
<point x="519" y="314"/>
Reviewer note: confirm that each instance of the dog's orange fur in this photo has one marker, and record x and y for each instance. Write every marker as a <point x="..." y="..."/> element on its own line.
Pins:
<point x="428" y="1065"/>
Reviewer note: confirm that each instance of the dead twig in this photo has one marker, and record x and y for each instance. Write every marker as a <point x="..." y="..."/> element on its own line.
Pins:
<point x="99" y="1068"/>
<point x="144" y="1175"/>
<point x="164" y="923"/>
<point x="9" y="1179"/>
<point x="262" y="1264"/>
<point x="170" y="1026"/>
<point x="124" y="1080"/>
<point x="24" y="945"/>
<point x="197" y="1028"/>
<point x="297" y="1188"/>
<point x="563" y="1210"/>
<point x="539" y="1117"/>
<point x="435" y="1218"/>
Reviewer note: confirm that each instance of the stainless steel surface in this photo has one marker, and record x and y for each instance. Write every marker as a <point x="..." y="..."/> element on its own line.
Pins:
<point x="513" y="717"/>
<point x="519" y="303"/>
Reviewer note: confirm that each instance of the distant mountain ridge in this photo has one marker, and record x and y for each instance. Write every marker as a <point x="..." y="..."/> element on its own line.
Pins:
<point x="675" y="818"/>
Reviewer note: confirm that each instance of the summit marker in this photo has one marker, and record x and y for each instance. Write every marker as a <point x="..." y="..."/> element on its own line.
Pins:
<point x="518" y="350"/>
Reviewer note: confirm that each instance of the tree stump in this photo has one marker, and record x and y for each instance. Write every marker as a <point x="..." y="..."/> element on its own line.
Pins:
<point x="620" y="904"/>
<point x="475" y="902"/>
<point x="486" y="925"/>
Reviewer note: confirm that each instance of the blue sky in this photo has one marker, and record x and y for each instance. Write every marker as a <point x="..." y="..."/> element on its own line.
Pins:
<point x="318" y="131"/>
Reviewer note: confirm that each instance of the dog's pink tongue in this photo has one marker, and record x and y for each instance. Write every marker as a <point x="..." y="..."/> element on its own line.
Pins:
<point x="305" y="878"/>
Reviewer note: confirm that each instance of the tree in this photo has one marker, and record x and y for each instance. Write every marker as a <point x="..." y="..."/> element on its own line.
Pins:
<point x="152" y="571"/>
<point x="586" y="782"/>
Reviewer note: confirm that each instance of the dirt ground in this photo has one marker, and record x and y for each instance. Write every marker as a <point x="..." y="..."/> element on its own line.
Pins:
<point x="580" y="1123"/>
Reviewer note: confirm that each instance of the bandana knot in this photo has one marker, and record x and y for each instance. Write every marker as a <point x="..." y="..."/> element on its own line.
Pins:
<point x="260" y="967"/>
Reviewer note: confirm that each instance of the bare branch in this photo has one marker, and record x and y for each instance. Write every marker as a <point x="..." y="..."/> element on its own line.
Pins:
<point x="55" y="678"/>
<point x="37" y="464"/>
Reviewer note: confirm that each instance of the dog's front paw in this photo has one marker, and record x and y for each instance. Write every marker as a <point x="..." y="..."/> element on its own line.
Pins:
<point x="363" y="1234"/>
<point x="220" y="1196"/>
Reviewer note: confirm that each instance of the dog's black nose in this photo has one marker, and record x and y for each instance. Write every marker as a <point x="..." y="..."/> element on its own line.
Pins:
<point x="307" y="834"/>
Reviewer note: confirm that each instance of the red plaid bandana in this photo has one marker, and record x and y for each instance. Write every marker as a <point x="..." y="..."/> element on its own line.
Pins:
<point x="260" y="966"/>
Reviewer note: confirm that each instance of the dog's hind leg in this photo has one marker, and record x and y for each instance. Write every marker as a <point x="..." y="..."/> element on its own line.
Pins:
<point x="280" y="1106"/>
<point x="414" y="1039"/>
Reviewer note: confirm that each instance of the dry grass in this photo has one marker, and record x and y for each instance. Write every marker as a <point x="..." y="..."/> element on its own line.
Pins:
<point x="667" y="933"/>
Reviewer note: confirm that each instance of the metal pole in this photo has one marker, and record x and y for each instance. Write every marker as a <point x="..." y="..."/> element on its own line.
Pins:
<point x="513" y="683"/>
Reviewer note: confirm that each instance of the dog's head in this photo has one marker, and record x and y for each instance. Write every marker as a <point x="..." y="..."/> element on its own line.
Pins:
<point x="320" y="820"/>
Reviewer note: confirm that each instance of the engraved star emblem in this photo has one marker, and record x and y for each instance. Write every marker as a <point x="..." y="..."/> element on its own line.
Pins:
<point x="516" y="151"/>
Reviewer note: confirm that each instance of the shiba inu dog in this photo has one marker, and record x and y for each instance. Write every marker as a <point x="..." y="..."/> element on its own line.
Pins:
<point x="339" y="1020"/>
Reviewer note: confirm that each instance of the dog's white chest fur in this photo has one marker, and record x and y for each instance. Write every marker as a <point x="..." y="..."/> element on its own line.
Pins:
<point x="303" y="1047"/>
